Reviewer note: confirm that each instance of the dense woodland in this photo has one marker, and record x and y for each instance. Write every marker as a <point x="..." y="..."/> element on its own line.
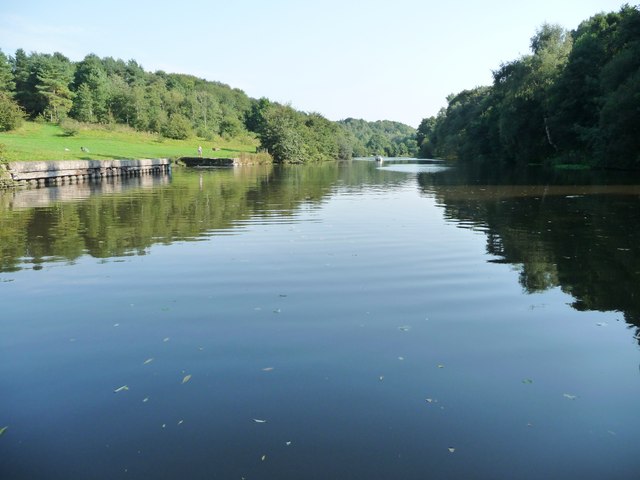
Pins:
<point x="52" y="88"/>
<point x="575" y="99"/>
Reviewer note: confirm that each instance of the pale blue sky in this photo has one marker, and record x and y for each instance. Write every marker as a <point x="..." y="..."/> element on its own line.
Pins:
<point x="393" y="59"/>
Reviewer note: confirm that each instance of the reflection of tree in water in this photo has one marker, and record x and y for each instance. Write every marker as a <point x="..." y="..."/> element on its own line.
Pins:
<point x="567" y="230"/>
<point x="129" y="222"/>
<point x="125" y="217"/>
<point x="572" y="232"/>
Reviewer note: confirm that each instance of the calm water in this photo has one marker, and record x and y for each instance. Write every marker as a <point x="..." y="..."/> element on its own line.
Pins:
<point x="329" y="322"/>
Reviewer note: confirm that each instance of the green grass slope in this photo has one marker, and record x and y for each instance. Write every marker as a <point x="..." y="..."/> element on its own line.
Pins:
<point x="38" y="141"/>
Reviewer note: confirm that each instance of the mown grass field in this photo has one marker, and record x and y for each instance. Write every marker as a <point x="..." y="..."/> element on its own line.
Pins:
<point x="38" y="141"/>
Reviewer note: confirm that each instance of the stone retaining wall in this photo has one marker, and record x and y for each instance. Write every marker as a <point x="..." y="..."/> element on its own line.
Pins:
<point x="72" y="171"/>
<point x="209" y="162"/>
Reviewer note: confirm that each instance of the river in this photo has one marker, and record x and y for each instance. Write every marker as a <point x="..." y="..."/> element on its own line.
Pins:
<point x="351" y="321"/>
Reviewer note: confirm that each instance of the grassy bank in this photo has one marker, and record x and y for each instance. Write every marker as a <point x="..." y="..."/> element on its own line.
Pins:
<point x="37" y="141"/>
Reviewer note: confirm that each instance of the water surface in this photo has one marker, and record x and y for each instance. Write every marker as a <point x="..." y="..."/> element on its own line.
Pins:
<point x="338" y="321"/>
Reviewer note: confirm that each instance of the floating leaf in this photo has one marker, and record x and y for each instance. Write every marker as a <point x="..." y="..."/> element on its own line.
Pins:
<point x="527" y="380"/>
<point x="257" y="420"/>
<point x="2" y="430"/>
<point x="404" y="328"/>
<point x="569" y="396"/>
<point x="602" y="324"/>
<point x="121" y="389"/>
<point x="186" y="378"/>
<point x="440" y="365"/>
<point x="148" y="361"/>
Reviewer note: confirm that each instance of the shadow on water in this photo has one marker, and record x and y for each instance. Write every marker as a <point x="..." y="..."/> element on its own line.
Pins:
<point x="579" y="231"/>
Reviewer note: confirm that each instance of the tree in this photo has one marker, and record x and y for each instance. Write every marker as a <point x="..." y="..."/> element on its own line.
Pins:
<point x="154" y="110"/>
<point x="619" y="119"/>
<point x="24" y="74"/>
<point x="7" y="84"/>
<point x="122" y="102"/>
<point x="91" y="72"/>
<point x="321" y="138"/>
<point x="378" y="144"/>
<point x="509" y="121"/>
<point x="231" y="126"/>
<point x="455" y="134"/>
<point x="11" y="115"/>
<point x="178" y="126"/>
<point x="54" y="74"/>
<point x="620" y="125"/>
<point x="83" y="107"/>
<point x="254" y="120"/>
<point x="524" y="89"/>
<point x="423" y="137"/>
<point x="282" y="136"/>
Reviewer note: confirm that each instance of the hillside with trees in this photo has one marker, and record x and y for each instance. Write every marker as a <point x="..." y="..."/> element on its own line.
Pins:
<point x="575" y="99"/>
<point x="383" y="137"/>
<point x="52" y="88"/>
<point x="103" y="91"/>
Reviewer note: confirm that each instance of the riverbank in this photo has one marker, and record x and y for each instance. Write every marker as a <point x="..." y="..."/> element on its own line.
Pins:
<point x="40" y="174"/>
<point x="47" y="142"/>
<point x="39" y="154"/>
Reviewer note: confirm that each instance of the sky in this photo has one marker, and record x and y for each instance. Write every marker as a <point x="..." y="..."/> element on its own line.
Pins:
<point x="376" y="60"/>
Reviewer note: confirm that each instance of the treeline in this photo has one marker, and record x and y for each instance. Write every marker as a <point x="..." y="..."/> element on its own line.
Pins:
<point x="575" y="99"/>
<point x="52" y="88"/>
<point x="383" y="137"/>
<point x="291" y="136"/>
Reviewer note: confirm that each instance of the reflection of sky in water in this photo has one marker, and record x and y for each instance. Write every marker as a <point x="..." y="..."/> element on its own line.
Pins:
<point x="414" y="168"/>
